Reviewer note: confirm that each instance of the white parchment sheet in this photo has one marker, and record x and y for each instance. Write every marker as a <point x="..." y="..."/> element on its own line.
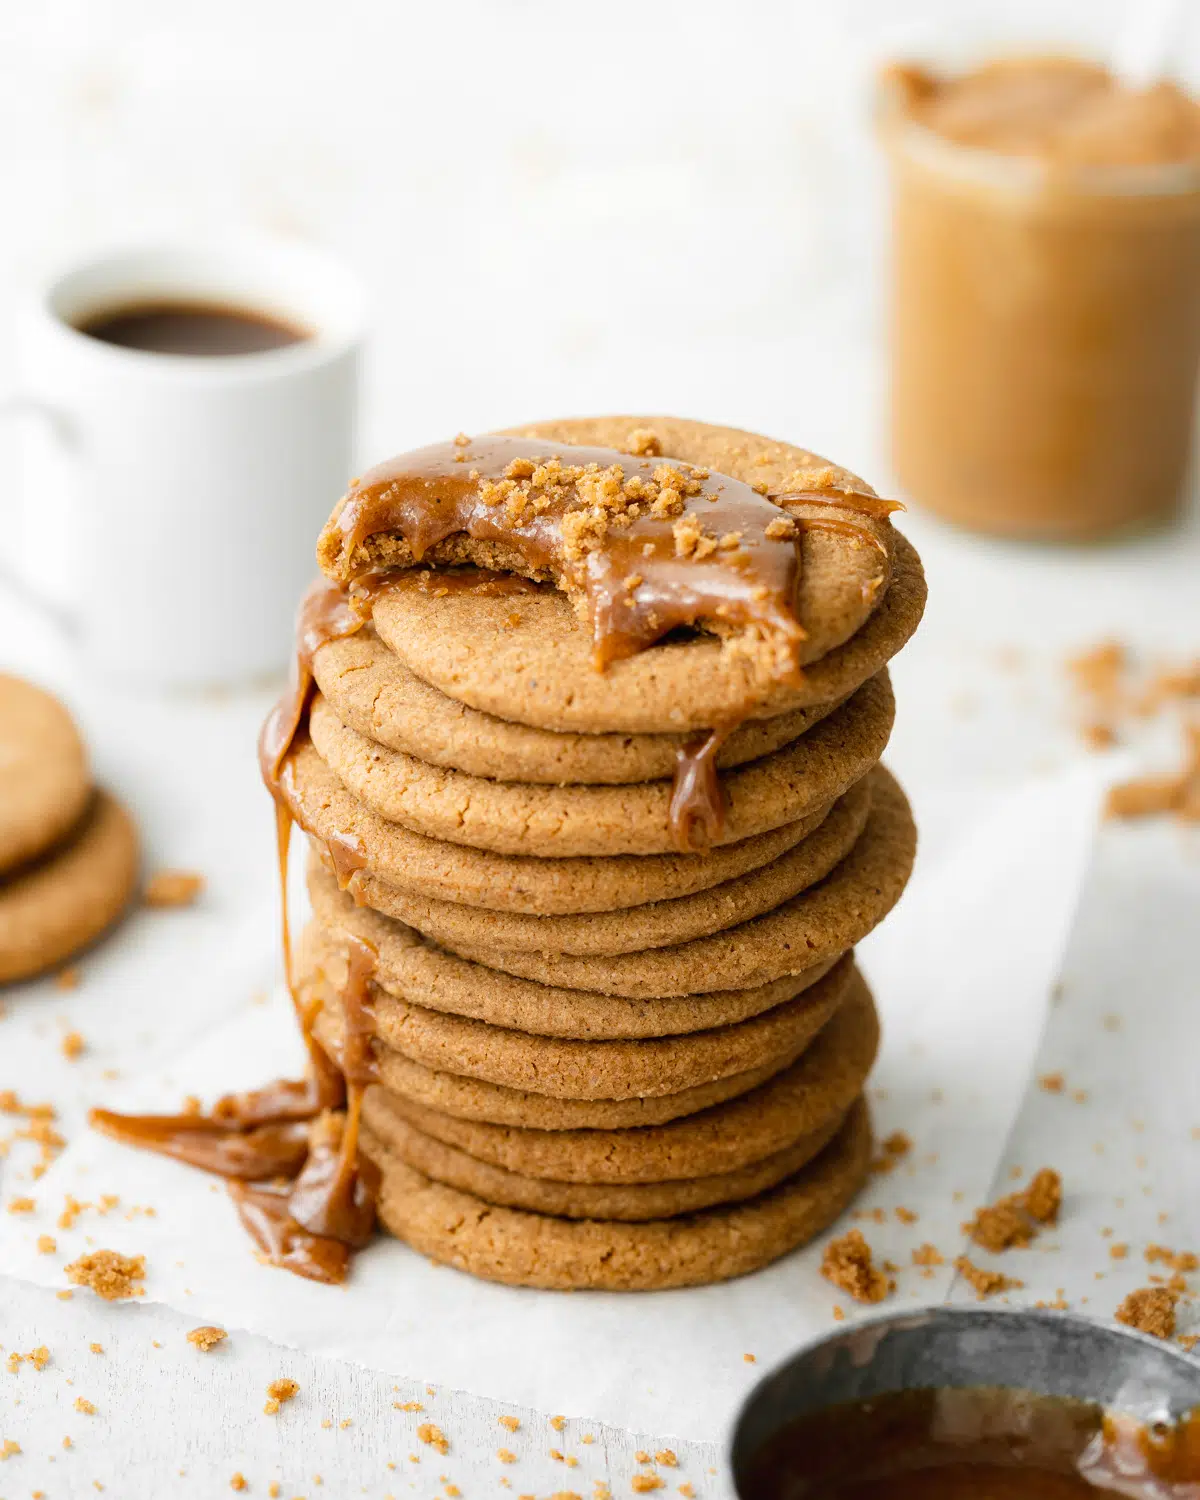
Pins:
<point x="963" y="971"/>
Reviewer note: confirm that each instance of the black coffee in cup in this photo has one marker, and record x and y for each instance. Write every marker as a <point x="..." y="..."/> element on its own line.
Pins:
<point x="207" y="329"/>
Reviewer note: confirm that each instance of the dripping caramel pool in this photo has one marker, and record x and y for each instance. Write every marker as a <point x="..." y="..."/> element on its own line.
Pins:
<point x="974" y="1403"/>
<point x="981" y="1443"/>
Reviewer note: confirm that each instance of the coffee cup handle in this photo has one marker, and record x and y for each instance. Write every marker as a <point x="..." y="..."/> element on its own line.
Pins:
<point x="20" y="406"/>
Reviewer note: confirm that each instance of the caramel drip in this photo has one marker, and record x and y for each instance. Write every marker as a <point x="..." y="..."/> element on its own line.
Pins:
<point x="274" y="1150"/>
<point x="347" y="856"/>
<point x="334" y="1195"/>
<point x="1158" y="1463"/>
<point x="448" y="489"/>
<point x="284" y="1243"/>
<point x="698" y="798"/>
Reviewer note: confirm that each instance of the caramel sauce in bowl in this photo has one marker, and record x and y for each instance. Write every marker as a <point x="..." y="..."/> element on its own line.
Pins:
<point x="968" y="1403"/>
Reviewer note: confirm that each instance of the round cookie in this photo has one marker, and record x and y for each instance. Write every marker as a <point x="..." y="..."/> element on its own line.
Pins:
<point x="842" y="572"/>
<point x="628" y="1202"/>
<point x="44" y="779"/>
<point x="818" y="1087"/>
<point x="830" y="918"/>
<point x="571" y="1069"/>
<point x="414" y="969"/>
<point x="527" y="1249"/>
<point x="539" y="671"/>
<point x="371" y="690"/>
<point x="56" y="907"/>
<point x="509" y="817"/>
<point x="504" y="882"/>
<point x="655" y="925"/>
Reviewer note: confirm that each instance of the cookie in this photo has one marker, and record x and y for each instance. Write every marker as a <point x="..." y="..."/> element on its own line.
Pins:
<point x="371" y="690"/>
<point x="843" y="571"/>
<point x="656" y="925"/>
<point x="628" y="1202"/>
<point x="818" y="1087"/>
<point x="55" y="907"/>
<point x="573" y="1069"/>
<point x="415" y="969"/>
<point x="527" y="1249"/>
<point x="44" y="779"/>
<point x="502" y="882"/>
<point x="828" y="919"/>
<point x="509" y="817"/>
<point x="539" y="670"/>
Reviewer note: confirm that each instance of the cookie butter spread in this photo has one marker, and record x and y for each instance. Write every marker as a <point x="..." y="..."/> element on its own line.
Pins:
<point x="1045" y="301"/>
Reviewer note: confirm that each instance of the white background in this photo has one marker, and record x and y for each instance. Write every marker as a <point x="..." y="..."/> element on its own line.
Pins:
<point x="557" y="208"/>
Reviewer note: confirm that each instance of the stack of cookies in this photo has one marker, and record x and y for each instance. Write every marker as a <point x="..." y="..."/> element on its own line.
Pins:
<point x="68" y="851"/>
<point x="620" y="1039"/>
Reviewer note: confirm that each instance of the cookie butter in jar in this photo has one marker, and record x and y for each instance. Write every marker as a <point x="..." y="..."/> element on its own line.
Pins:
<point x="1046" y="295"/>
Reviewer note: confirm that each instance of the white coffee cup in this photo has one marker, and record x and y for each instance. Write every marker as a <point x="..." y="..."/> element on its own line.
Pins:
<point x="169" y="503"/>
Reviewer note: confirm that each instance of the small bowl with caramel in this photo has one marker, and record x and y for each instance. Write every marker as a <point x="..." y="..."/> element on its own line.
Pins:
<point x="967" y="1403"/>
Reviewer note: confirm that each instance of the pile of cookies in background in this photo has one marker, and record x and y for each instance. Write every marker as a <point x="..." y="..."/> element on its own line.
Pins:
<point x="603" y="1061"/>
<point x="68" y="850"/>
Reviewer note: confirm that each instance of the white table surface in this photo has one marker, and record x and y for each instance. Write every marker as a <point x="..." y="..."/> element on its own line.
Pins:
<point x="983" y="704"/>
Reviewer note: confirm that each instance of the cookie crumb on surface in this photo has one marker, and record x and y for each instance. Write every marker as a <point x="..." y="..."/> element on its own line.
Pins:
<point x="642" y="1484"/>
<point x="558" y="1423"/>
<point x="9" y="1448"/>
<point x="1180" y="1261"/>
<point x="82" y="1404"/>
<point x="207" y="1338"/>
<point x="927" y="1255"/>
<point x="1014" y="1220"/>
<point x="891" y="1151"/>
<point x="278" y="1393"/>
<point x="984" y="1283"/>
<point x="506" y="1455"/>
<point x="73" y="1046"/>
<point x="1151" y="1309"/>
<point x="432" y="1436"/>
<point x="238" y="1482"/>
<point x="410" y="1406"/>
<point x="512" y="1423"/>
<point x="22" y="1205"/>
<point x="172" y="888"/>
<point x="847" y="1264"/>
<point x="109" y="1274"/>
<point x="68" y="978"/>
<point x="666" y="1457"/>
<point x="46" y="1244"/>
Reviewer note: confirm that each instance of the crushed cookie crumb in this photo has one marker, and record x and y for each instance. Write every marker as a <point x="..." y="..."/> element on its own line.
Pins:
<point x="9" y="1448"/>
<point x="847" y="1264"/>
<point x="109" y="1274"/>
<point x="96" y="1348"/>
<point x="73" y="1045"/>
<point x="82" y="1404"/>
<point x="22" y="1205"/>
<point x="906" y="1215"/>
<point x="238" y="1482"/>
<point x="506" y="1455"/>
<point x="1052" y="1083"/>
<point x="167" y="888"/>
<point x="279" y="1392"/>
<point x="433" y="1437"/>
<point x="512" y="1423"/>
<point x="207" y="1338"/>
<point x="667" y="1458"/>
<point x="1013" y="1221"/>
<point x="891" y="1152"/>
<point x="927" y="1255"/>
<point x="408" y="1406"/>
<point x="1042" y="1199"/>
<point x="1180" y="1261"/>
<point x="1151" y="1309"/>
<point x="984" y="1283"/>
<point x="46" y="1244"/>
<point x="643" y="442"/>
<point x="642" y="1484"/>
